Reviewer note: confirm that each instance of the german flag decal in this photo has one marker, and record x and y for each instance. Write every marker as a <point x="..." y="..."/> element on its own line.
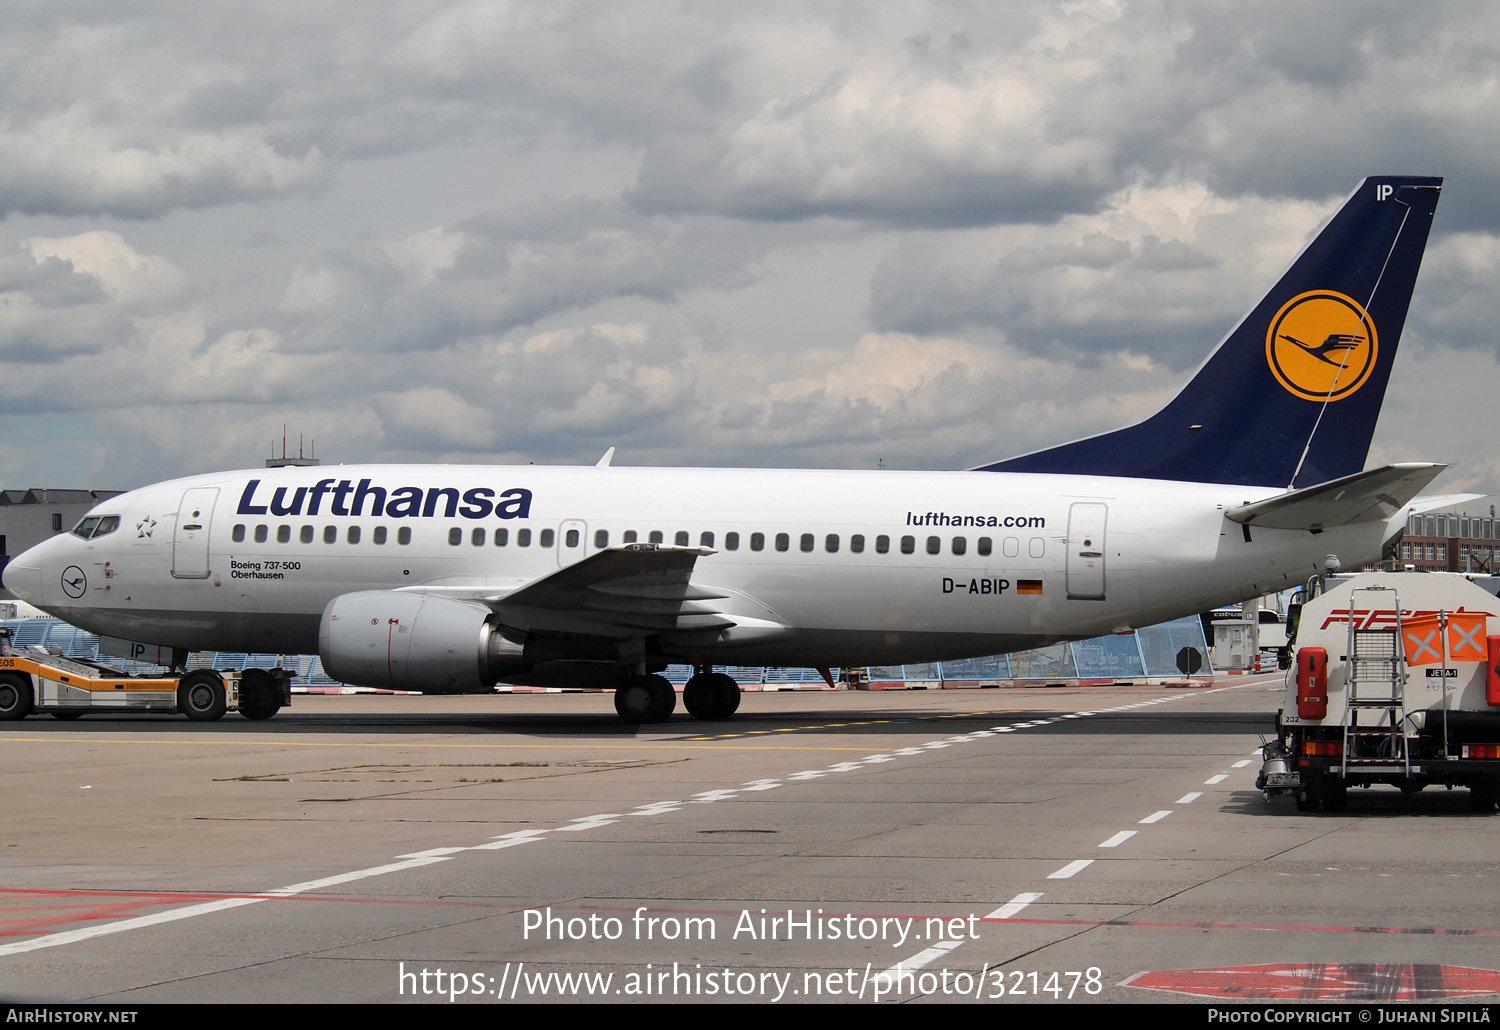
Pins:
<point x="1028" y="586"/>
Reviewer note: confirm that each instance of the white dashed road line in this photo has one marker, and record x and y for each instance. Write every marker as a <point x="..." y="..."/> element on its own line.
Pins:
<point x="1118" y="839"/>
<point x="1072" y="869"/>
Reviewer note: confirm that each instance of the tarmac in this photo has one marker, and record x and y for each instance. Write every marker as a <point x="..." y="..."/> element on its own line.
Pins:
<point x="1040" y="845"/>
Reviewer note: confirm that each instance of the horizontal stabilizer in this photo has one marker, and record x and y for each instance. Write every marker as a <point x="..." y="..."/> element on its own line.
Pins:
<point x="1432" y="502"/>
<point x="1372" y="496"/>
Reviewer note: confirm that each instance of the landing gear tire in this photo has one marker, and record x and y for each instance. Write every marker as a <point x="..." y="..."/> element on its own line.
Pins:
<point x="663" y="697"/>
<point x="15" y="696"/>
<point x="1482" y="796"/>
<point x="200" y="696"/>
<point x="633" y="700"/>
<point x="711" y="695"/>
<point x="1307" y="800"/>
<point x="67" y="716"/>
<point x="642" y="699"/>
<point x="258" y="695"/>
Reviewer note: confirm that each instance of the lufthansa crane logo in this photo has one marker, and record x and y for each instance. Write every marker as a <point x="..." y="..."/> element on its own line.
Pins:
<point x="74" y="582"/>
<point x="1322" y="345"/>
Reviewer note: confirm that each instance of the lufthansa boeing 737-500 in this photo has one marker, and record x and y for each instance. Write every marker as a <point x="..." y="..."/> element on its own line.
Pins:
<point x="450" y="579"/>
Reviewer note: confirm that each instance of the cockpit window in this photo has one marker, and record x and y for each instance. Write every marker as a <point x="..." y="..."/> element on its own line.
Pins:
<point x="96" y="526"/>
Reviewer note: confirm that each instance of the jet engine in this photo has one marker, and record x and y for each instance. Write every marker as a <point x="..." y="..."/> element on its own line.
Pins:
<point x="407" y="641"/>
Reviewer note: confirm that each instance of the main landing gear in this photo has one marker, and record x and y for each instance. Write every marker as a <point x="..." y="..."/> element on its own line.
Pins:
<point x="711" y="695"/>
<point x="708" y="695"/>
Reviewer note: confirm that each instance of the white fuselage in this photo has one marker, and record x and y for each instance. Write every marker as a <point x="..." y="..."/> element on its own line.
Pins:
<point x="1067" y="556"/>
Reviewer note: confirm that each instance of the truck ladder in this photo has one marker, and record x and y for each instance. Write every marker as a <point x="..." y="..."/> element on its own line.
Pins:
<point x="1375" y="694"/>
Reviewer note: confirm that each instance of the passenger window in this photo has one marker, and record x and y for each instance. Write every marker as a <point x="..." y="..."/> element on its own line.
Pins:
<point x="757" y="541"/>
<point x="108" y="524"/>
<point x="85" y="528"/>
<point x="908" y="545"/>
<point x="934" y="545"/>
<point x="571" y="540"/>
<point x="260" y="534"/>
<point x="783" y="542"/>
<point x="523" y="538"/>
<point x="655" y="536"/>
<point x="629" y="536"/>
<point x="502" y="537"/>
<point x="547" y="538"/>
<point x="682" y="538"/>
<point x="283" y="534"/>
<point x="960" y="545"/>
<point x="353" y="535"/>
<point x="477" y="537"/>
<point x="403" y="535"/>
<point x="1038" y="547"/>
<point x="806" y="542"/>
<point x="305" y="534"/>
<point x="882" y="544"/>
<point x="986" y="545"/>
<point x="455" y="536"/>
<point x="731" y="541"/>
<point x="379" y="536"/>
<point x="1011" y="546"/>
<point x="705" y="539"/>
<point x="238" y="536"/>
<point x="831" y="543"/>
<point x="857" y="543"/>
<point x="601" y="538"/>
<point x="330" y="534"/>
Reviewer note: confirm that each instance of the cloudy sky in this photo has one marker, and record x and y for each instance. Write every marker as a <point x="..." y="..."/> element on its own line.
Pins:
<point x="814" y="234"/>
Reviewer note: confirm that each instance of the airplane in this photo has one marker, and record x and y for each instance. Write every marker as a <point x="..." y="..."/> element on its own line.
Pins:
<point x="451" y="579"/>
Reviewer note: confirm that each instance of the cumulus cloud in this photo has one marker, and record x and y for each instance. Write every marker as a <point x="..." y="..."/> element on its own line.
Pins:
<point x="1164" y="271"/>
<point x="942" y="232"/>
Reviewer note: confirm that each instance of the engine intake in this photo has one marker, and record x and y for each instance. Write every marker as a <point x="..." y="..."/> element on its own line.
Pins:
<point x="406" y="641"/>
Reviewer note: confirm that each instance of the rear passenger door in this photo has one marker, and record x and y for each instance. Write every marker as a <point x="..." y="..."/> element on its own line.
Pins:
<point x="1086" y="523"/>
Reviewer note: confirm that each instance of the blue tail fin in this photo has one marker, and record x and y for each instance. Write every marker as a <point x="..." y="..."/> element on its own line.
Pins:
<point x="1290" y="397"/>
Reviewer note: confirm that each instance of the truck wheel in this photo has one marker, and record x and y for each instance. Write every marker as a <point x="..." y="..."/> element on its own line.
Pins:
<point x="15" y="696"/>
<point x="1482" y="796"/>
<point x="200" y="696"/>
<point x="1335" y="796"/>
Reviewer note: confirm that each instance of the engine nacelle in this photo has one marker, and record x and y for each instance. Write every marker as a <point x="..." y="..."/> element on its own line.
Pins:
<point x="406" y="641"/>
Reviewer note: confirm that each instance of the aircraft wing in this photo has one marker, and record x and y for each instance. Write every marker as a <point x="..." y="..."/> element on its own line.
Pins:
<point x="1372" y="496"/>
<point x="621" y="591"/>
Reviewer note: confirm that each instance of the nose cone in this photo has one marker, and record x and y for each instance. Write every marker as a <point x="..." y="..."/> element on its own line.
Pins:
<point x="23" y="575"/>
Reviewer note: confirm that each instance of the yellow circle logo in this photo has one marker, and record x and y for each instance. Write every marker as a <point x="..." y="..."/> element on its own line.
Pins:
<point x="1322" y="345"/>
